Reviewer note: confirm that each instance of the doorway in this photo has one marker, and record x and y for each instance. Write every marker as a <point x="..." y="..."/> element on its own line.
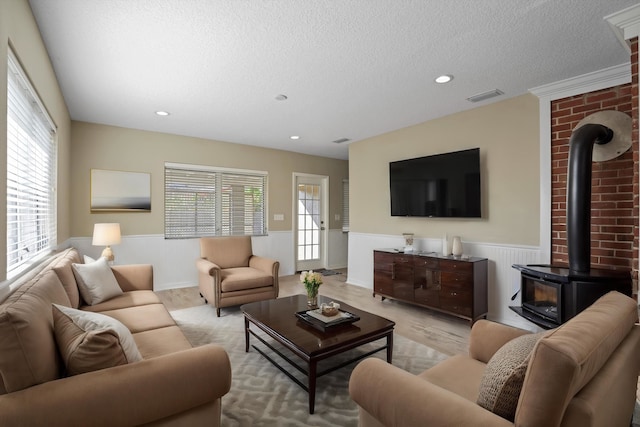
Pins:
<point x="310" y="221"/>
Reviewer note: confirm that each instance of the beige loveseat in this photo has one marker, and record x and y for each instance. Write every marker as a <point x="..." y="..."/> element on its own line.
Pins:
<point x="174" y="384"/>
<point x="583" y="374"/>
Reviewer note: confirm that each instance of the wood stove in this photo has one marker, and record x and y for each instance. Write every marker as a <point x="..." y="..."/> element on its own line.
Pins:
<point x="551" y="295"/>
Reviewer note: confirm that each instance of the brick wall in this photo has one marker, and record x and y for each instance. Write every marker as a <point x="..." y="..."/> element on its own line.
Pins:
<point x="614" y="200"/>
<point x="636" y="156"/>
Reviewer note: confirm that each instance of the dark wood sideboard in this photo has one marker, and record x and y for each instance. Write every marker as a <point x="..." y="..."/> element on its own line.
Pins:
<point x="452" y="285"/>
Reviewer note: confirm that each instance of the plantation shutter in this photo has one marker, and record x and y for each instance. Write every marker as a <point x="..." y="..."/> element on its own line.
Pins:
<point x="31" y="173"/>
<point x="203" y="201"/>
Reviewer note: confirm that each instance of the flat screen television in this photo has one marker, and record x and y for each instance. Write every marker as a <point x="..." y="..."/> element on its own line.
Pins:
<point x="439" y="186"/>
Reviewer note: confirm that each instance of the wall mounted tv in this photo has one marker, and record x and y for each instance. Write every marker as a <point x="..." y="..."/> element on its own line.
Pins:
<point x="439" y="186"/>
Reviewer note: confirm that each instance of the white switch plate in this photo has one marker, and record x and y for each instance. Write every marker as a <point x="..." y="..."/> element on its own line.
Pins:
<point x="278" y="217"/>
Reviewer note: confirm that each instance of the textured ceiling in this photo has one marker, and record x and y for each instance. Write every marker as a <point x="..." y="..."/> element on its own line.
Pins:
<point x="350" y="69"/>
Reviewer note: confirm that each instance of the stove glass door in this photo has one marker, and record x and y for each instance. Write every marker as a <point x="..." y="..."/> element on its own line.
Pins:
<point x="541" y="298"/>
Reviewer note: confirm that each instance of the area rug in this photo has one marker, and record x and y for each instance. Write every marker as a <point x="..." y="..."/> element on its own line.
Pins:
<point x="329" y="272"/>
<point x="261" y="395"/>
<point x="324" y="272"/>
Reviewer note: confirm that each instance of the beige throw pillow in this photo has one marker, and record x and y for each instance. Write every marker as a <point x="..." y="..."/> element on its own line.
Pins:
<point x="502" y="380"/>
<point x="96" y="281"/>
<point x="91" y="341"/>
<point x="62" y="267"/>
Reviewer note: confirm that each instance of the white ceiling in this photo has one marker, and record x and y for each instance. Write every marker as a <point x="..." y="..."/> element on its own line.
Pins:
<point x="350" y="68"/>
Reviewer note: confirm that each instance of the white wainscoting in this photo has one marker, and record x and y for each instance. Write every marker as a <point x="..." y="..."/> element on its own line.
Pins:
<point x="504" y="281"/>
<point x="174" y="260"/>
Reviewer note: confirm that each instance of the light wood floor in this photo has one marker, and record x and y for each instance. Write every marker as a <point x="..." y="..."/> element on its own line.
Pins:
<point x="444" y="333"/>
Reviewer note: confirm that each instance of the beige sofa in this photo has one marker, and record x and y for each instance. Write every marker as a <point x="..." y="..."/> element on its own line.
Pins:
<point x="174" y="384"/>
<point x="583" y="374"/>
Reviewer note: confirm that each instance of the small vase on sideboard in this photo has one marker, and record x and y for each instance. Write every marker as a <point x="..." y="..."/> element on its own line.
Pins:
<point x="445" y="245"/>
<point x="456" y="249"/>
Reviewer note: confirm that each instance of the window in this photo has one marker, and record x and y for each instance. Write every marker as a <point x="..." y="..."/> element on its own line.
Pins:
<point x="345" y="205"/>
<point x="203" y="201"/>
<point x="31" y="173"/>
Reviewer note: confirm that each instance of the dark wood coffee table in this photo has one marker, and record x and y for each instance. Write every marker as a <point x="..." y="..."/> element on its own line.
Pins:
<point x="277" y="318"/>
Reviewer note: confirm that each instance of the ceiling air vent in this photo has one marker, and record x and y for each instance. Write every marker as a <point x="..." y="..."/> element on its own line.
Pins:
<point x="341" y="140"/>
<point x="485" y="95"/>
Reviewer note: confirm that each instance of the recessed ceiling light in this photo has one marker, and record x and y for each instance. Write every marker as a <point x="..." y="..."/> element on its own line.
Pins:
<point x="445" y="78"/>
<point x="294" y="137"/>
<point x="281" y="97"/>
<point x="162" y="113"/>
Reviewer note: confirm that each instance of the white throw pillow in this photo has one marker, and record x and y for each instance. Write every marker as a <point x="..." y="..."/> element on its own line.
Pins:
<point x="96" y="281"/>
<point x="90" y="341"/>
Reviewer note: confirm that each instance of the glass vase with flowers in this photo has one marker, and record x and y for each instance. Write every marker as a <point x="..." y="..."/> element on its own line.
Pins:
<point x="311" y="281"/>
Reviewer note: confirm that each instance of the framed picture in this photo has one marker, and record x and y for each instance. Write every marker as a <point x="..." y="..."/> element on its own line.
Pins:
<point x="120" y="191"/>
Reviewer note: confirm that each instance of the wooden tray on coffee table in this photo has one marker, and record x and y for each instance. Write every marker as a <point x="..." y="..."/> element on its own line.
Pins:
<point x="321" y="322"/>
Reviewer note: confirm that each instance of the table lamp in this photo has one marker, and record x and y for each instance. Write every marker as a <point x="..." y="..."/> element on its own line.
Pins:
<point x="106" y="234"/>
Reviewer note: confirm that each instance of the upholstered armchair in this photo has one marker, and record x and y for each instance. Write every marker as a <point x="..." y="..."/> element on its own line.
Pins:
<point x="229" y="274"/>
<point x="582" y="374"/>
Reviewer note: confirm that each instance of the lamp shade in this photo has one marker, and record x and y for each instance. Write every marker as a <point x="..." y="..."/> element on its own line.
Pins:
<point x="106" y="234"/>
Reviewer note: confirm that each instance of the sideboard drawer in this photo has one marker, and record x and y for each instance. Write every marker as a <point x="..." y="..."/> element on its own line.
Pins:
<point x="457" y="297"/>
<point x="455" y="265"/>
<point x="459" y="280"/>
<point x="425" y="262"/>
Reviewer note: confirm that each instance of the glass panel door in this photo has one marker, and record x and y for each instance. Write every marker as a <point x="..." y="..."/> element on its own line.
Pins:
<point x="310" y="227"/>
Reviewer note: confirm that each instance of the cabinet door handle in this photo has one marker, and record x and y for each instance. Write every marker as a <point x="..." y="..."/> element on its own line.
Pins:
<point x="393" y="271"/>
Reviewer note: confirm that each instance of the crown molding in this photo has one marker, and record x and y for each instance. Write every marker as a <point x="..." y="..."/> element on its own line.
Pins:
<point x="625" y="24"/>
<point x="596" y="80"/>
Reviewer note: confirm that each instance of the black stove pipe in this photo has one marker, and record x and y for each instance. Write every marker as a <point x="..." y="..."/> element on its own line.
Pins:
<point x="579" y="193"/>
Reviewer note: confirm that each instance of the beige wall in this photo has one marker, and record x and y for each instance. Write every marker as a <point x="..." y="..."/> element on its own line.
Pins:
<point x="97" y="146"/>
<point x="507" y="133"/>
<point x="18" y="29"/>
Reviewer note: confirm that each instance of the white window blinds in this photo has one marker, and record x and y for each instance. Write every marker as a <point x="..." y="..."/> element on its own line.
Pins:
<point x="31" y="173"/>
<point x="202" y="201"/>
<point x="345" y="205"/>
<point x="189" y="203"/>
